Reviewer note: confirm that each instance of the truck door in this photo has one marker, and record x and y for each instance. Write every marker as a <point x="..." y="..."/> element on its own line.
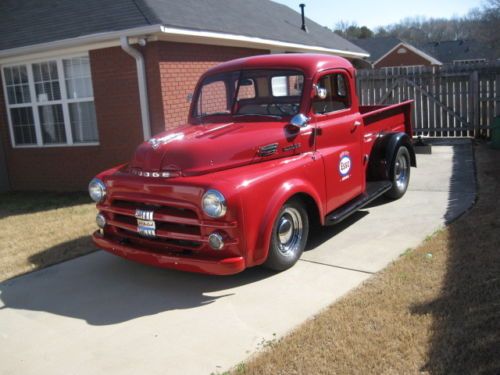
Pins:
<point x="339" y="137"/>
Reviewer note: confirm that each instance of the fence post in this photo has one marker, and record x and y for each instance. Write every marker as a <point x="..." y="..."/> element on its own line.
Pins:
<point x="474" y="102"/>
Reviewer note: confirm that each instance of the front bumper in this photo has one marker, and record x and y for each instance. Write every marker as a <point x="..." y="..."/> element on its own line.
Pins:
<point x="225" y="266"/>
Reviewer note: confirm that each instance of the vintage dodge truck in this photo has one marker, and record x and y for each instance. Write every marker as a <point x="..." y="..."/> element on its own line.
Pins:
<point x="274" y="146"/>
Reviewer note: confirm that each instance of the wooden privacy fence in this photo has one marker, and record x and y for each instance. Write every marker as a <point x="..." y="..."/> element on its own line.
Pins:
<point x="450" y="101"/>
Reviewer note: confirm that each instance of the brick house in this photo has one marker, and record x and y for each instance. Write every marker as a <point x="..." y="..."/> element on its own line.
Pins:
<point x="390" y="51"/>
<point x="460" y="52"/>
<point x="84" y="82"/>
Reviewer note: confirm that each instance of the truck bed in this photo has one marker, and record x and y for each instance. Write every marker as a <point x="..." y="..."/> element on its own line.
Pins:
<point x="394" y="117"/>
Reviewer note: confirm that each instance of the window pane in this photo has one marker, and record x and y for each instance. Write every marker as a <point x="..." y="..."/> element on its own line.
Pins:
<point x="8" y="76"/>
<point x="83" y="122"/>
<point x="213" y="99"/>
<point x="78" y="79"/>
<point x="341" y="86"/>
<point x="23" y="126"/>
<point x="46" y="81"/>
<point x="247" y="89"/>
<point x="16" y="82"/>
<point x="333" y="101"/>
<point x="278" y="86"/>
<point x="287" y="85"/>
<point x="295" y="85"/>
<point x="52" y="123"/>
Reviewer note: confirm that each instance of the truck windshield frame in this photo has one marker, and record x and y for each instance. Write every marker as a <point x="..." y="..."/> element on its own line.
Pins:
<point x="261" y="93"/>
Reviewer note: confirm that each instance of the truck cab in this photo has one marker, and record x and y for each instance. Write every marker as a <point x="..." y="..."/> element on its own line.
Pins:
<point x="273" y="146"/>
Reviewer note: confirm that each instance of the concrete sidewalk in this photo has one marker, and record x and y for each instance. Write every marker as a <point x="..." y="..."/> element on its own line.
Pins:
<point x="100" y="314"/>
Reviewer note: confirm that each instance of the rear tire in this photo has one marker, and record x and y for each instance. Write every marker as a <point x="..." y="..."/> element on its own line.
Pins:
<point x="288" y="237"/>
<point x="400" y="173"/>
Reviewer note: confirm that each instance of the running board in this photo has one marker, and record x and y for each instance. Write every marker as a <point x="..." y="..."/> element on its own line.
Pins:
<point x="374" y="189"/>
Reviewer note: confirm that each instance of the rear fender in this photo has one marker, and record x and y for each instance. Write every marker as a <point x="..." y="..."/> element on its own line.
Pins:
<point x="384" y="151"/>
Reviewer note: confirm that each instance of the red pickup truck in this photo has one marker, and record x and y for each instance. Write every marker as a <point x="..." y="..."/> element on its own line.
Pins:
<point x="274" y="145"/>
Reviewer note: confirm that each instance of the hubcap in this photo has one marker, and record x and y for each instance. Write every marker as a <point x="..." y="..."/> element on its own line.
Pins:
<point x="289" y="231"/>
<point x="401" y="172"/>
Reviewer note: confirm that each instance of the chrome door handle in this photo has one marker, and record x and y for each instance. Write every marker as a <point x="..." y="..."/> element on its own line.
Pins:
<point x="357" y="123"/>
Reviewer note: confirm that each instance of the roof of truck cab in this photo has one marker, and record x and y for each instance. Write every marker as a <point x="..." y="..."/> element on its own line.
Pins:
<point x="309" y="63"/>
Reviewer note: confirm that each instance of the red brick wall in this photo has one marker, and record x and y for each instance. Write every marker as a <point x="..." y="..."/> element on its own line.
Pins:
<point x="119" y="124"/>
<point x="4" y="133"/>
<point x="156" y="114"/>
<point x="181" y="65"/>
<point x="172" y="72"/>
<point x="402" y="59"/>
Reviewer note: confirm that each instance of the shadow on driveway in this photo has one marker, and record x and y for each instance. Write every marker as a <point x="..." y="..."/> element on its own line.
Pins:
<point x="104" y="289"/>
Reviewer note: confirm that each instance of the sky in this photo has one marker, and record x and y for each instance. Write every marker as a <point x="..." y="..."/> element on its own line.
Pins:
<point x="379" y="12"/>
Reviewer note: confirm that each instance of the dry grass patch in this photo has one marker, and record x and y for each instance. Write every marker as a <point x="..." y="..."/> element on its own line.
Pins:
<point x="436" y="310"/>
<point x="40" y="229"/>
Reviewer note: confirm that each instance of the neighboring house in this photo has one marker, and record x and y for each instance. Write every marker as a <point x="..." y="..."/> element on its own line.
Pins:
<point x="77" y="98"/>
<point x="460" y="51"/>
<point x="391" y="52"/>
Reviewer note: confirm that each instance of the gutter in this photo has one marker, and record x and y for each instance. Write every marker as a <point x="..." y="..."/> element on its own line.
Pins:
<point x="174" y="34"/>
<point x="248" y="41"/>
<point x="141" y="81"/>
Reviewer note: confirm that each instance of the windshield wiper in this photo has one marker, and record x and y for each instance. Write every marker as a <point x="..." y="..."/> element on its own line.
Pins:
<point x="257" y="114"/>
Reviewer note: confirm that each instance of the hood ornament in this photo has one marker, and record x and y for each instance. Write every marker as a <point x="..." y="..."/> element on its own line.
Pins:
<point x="157" y="142"/>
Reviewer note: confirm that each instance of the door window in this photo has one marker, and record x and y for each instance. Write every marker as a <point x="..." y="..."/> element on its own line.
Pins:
<point x="337" y="94"/>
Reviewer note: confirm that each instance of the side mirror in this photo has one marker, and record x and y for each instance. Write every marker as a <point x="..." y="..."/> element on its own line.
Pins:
<point x="320" y="92"/>
<point x="299" y="120"/>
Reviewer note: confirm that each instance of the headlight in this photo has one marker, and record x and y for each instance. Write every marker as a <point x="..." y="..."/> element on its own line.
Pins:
<point x="97" y="190"/>
<point x="214" y="203"/>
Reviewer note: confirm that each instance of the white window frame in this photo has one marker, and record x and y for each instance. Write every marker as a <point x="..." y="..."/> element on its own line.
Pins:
<point x="469" y="61"/>
<point x="64" y="102"/>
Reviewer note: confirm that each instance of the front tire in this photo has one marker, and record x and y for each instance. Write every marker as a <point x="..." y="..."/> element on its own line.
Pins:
<point x="400" y="174"/>
<point x="288" y="237"/>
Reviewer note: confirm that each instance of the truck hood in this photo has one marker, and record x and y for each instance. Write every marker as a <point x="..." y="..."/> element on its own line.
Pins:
<point x="200" y="149"/>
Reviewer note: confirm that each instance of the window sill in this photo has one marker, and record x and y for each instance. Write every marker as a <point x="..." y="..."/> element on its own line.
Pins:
<point x="90" y="144"/>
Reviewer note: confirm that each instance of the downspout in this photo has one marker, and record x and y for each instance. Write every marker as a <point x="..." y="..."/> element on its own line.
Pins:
<point x="141" y="81"/>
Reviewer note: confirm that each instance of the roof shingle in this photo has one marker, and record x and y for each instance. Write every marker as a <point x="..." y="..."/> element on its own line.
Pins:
<point x="30" y="22"/>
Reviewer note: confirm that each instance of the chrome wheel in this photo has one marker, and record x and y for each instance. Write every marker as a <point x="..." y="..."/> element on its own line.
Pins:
<point x="288" y="236"/>
<point x="400" y="174"/>
<point x="289" y="231"/>
<point x="401" y="171"/>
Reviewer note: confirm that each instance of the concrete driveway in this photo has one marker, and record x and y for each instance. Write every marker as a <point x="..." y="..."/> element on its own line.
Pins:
<point x="100" y="314"/>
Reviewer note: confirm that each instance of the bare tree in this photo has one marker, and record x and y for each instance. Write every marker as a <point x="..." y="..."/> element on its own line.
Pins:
<point x="480" y="24"/>
<point x="351" y="30"/>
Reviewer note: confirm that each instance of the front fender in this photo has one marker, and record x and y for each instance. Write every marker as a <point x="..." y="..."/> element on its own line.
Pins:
<point x="285" y="191"/>
<point x="256" y="192"/>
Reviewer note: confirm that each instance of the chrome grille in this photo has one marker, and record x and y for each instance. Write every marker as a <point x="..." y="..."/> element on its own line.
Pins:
<point x="163" y="225"/>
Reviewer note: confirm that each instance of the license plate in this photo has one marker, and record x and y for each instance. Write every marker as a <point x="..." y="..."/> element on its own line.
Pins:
<point x="146" y="228"/>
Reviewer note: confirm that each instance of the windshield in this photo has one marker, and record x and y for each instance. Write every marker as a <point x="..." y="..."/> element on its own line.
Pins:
<point x="268" y="93"/>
